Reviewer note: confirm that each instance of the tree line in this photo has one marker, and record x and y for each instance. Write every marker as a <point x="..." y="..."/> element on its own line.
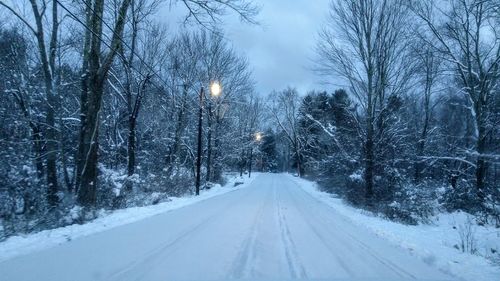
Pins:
<point x="417" y="118"/>
<point x="99" y="104"/>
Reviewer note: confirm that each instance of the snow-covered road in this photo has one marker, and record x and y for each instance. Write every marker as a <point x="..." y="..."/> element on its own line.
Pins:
<point x="271" y="229"/>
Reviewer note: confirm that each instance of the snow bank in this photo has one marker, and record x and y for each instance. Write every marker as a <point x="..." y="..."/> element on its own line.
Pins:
<point x="438" y="244"/>
<point x="24" y="244"/>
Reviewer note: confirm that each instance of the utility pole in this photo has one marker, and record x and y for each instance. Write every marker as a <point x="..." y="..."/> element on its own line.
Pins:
<point x="198" y="154"/>
<point x="215" y="91"/>
<point x="250" y="162"/>
<point x="257" y="137"/>
<point x="209" y="141"/>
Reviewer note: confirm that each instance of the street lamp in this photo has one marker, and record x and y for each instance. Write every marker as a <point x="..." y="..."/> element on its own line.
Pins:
<point x="213" y="161"/>
<point x="257" y="139"/>
<point x="215" y="91"/>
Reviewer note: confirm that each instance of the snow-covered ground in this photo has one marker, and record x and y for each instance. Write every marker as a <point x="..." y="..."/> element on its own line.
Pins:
<point x="25" y="244"/>
<point x="436" y="244"/>
<point x="270" y="230"/>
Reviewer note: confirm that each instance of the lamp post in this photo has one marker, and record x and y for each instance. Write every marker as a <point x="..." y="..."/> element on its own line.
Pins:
<point x="215" y="90"/>
<point x="219" y="116"/>
<point x="257" y="139"/>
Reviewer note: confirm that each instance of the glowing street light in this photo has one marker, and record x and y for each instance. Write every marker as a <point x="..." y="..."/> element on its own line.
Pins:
<point x="258" y="137"/>
<point x="215" y="89"/>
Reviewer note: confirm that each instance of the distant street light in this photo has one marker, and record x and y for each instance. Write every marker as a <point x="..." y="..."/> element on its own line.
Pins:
<point x="258" y="137"/>
<point x="215" y="91"/>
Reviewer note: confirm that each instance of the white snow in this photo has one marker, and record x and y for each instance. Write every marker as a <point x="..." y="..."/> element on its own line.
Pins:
<point x="356" y="177"/>
<point x="25" y="244"/>
<point x="270" y="230"/>
<point x="435" y="244"/>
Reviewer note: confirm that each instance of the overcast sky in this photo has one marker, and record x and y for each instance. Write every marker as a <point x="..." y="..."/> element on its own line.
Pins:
<point x="280" y="48"/>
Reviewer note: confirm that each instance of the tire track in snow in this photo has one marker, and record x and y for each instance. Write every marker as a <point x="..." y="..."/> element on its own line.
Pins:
<point x="302" y="211"/>
<point x="151" y="258"/>
<point x="293" y="261"/>
<point x="321" y="218"/>
<point x="243" y="265"/>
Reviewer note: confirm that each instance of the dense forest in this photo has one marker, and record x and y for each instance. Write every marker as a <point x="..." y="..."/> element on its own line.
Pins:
<point x="416" y="129"/>
<point x="100" y="107"/>
<point x="103" y="107"/>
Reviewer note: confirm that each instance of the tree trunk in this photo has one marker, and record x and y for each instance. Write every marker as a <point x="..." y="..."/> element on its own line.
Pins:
<point x="80" y="154"/>
<point x="481" y="164"/>
<point x="92" y="92"/>
<point x="95" y="73"/>
<point x="51" y="137"/>
<point x="421" y="143"/>
<point x="179" y="128"/>
<point x="64" y="160"/>
<point x="83" y="95"/>
<point x="36" y="136"/>
<point x="370" y="134"/>
<point x="199" y="152"/>
<point x="369" y="161"/>
<point x="89" y="146"/>
<point x="37" y="146"/>
<point x="216" y="176"/>
<point x="299" y="161"/>
<point x="242" y="162"/>
<point x="131" y="146"/>
<point x="250" y="163"/>
<point x="132" y="137"/>
<point x="209" y="143"/>
<point x="47" y="60"/>
<point x="420" y="152"/>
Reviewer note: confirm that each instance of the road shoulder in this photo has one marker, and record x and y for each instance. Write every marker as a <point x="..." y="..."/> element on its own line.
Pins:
<point x="433" y="244"/>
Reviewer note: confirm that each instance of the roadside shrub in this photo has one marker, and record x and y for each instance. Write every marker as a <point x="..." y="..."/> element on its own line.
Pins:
<point x="491" y="207"/>
<point x="463" y="197"/>
<point x="412" y="203"/>
<point x="355" y="189"/>
<point x="467" y="234"/>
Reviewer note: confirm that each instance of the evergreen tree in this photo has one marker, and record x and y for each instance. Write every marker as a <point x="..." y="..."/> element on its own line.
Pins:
<point x="269" y="152"/>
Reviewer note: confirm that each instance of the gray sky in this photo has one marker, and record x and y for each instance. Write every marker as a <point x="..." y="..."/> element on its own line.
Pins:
<point x="280" y="48"/>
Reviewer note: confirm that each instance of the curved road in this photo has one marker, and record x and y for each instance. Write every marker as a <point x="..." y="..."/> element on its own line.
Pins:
<point x="270" y="230"/>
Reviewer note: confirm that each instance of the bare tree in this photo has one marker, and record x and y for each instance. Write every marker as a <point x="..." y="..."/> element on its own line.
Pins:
<point x="429" y="66"/>
<point x="182" y="69"/>
<point x="135" y="81"/>
<point x="365" y="45"/>
<point x="15" y="71"/>
<point x="220" y="63"/>
<point x="467" y="36"/>
<point x="130" y="94"/>
<point x="47" y="55"/>
<point x="95" y="70"/>
<point x="208" y="13"/>
<point x="284" y="108"/>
